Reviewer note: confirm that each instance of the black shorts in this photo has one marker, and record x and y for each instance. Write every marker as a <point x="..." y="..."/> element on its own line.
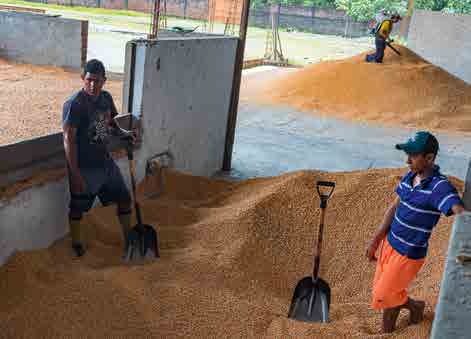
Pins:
<point x="107" y="183"/>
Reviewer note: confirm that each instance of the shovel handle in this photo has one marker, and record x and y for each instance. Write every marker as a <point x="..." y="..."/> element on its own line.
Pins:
<point x="324" y="198"/>
<point x="132" y="174"/>
<point x="317" y="257"/>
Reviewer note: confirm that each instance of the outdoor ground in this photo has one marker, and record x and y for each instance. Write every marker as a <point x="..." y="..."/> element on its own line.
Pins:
<point x="31" y="99"/>
<point x="270" y="139"/>
<point x="110" y="29"/>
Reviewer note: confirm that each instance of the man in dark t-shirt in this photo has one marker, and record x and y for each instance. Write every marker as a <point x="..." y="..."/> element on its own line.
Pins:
<point x="88" y="123"/>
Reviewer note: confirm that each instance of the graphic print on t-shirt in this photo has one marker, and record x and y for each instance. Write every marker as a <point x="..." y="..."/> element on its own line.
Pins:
<point x="99" y="129"/>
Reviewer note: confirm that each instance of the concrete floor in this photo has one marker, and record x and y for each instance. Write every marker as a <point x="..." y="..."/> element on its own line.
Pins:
<point x="270" y="141"/>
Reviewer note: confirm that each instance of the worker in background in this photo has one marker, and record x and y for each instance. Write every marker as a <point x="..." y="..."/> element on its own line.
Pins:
<point x="379" y="18"/>
<point x="422" y="196"/>
<point x="382" y="34"/>
<point x="88" y="123"/>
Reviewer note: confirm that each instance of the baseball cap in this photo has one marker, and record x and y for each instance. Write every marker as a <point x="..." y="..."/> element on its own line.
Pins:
<point x="396" y="16"/>
<point x="422" y="142"/>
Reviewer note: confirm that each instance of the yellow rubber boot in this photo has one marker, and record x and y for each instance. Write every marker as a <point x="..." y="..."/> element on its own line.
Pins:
<point x="125" y="221"/>
<point x="76" y="237"/>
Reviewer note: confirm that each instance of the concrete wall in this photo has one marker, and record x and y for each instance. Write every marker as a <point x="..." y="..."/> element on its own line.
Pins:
<point x="303" y="18"/>
<point x="444" y="40"/>
<point x="183" y="107"/>
<point x="42" y="39"/>
<point x="454" y="303"/>
<point x="310" y="19"/>
<point x="467" y="189"/>
<point x="182" y="89"/>
<point x="35" y="218"/>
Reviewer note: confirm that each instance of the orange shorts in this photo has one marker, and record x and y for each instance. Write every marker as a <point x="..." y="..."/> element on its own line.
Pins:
<point x="394" y="273"/>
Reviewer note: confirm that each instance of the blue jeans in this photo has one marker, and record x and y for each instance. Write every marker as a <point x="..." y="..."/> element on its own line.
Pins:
<point x="379" y="54"/>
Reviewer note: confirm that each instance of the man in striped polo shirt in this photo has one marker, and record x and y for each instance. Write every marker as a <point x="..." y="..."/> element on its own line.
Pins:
<point x="423" y="195"/>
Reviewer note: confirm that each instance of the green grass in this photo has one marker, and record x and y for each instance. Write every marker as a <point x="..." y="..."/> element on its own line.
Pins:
<point x="89" y="10"/>
<point x="298" y="47"/>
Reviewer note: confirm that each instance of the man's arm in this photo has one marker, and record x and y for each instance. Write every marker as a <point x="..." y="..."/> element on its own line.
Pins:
<point x="70" y="146"/>
<point x="116" y="129"/>
<point x="382" y="230"/>
<point x="457" y="209"/>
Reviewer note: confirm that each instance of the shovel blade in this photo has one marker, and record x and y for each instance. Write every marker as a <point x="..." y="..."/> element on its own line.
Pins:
<point x="150" y="243"/>
<point x="311" y="301"/>
<point x="141" y="243"/>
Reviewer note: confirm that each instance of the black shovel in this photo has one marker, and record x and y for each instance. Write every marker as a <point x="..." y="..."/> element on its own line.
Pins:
<point x="395" y="50"/>
<point x="311" y="297"/>
<point x="142" y="239"/>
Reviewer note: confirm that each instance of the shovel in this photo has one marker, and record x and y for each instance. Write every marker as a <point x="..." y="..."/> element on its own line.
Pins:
<point x="311" y="297"/>
<point x="142" y="240"/>
<point x="395" y="50"/>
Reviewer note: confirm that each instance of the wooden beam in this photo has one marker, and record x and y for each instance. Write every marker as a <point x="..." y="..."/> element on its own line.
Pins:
<point x="405" y="23"/>
<point x="410" y="8"/>
<point x="236" y="80"/>
<point x="22" y="9"/>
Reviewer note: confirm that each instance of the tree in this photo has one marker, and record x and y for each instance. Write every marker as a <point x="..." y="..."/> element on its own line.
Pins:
<point x="459" y="6"/>
<point x="433" y="5"/>
<point x="364" y="10"/>
<point x="320" y="3"/>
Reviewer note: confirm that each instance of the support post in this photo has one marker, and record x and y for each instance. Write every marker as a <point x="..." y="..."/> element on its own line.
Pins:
<point x="236" y="80"/>
<point x="406" y="20"/>
<point x="467" y="190"/>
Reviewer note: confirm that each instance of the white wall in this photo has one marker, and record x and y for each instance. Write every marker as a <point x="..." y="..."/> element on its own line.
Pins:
<point x="43" y="39"/>
<point x="444" y="40"/>
<point x="35" y="218"/>
<point x="185" y="100"/>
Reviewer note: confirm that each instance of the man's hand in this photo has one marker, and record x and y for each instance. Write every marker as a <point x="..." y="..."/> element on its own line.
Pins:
<point x="78" y="185"/>
<point x="129" y="135"/>
<point x="372" y="248"/>
<point x="458" y="209"/>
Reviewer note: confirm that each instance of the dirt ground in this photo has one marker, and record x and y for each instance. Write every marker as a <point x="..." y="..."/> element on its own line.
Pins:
<point x="31" y="99"/>
<point x="232" y="254"/>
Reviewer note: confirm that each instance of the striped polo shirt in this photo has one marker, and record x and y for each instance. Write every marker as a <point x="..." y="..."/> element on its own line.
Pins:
<point x="419" y="211"/>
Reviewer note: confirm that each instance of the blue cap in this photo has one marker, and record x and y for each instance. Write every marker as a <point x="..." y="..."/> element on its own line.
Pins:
<point x="422" y="142"/>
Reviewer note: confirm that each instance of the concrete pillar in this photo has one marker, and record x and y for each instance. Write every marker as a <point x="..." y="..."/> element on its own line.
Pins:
<point x="405" y="23"/>
<point x="467" y="189"/>
<point x="185" y="6"/>
<point x="454" y="303"/>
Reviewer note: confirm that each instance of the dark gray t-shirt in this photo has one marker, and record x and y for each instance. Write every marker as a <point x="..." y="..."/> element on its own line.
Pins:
<point x="92" y="118"/>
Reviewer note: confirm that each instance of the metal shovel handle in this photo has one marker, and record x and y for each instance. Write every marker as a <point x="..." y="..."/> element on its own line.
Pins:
<point x="132" y="174"/>
<point x="324" y="199"/>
